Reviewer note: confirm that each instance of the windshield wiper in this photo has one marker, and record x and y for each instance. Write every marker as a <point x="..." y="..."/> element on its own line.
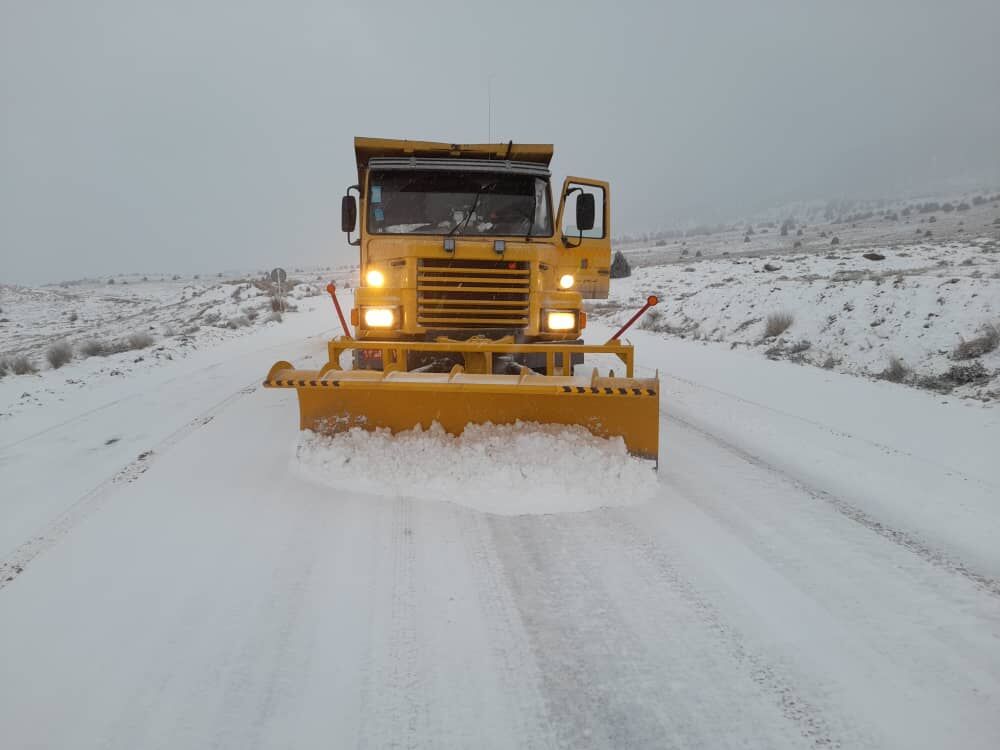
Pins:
<point x="475" y="202"/>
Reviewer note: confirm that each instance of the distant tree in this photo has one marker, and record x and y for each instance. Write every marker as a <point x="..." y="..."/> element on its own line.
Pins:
<point x="620" y="267"/>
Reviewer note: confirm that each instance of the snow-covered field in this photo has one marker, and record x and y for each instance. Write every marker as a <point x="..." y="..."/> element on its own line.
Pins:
<point x="925" y="314"/>
<point x="127" y="328"/>
<point x="814" y="565"/>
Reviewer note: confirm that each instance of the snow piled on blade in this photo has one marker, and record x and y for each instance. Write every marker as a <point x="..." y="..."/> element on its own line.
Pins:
<point x="519" y="469"/>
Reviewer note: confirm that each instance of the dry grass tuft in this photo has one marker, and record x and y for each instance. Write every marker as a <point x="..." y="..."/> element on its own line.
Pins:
<point x="93" y="348"/>
<point x="59" y="354"/>
<point x="20" y="365"/>
<point x="139" y="340"/>
<point x="977" y="347"/>
<point x="896" y="371"/>
<point x="777" y="324"/>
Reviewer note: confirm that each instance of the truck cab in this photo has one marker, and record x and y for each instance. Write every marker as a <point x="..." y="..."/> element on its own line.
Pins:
<point x="461" y="241"/>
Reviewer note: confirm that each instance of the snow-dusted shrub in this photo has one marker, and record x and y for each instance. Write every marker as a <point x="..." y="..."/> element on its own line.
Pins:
<point x="777" y="324"/>
<point x="800" y="346"/>
<point x="139" y="340"/>
<point x="21" y="365"/>
<point x="977" y="347"/>
<point x="93" y="348"/>
<point x="59" y="354"/>
<point x="896" y="371"/>
<point x="650" y="320"/>
<point x="965" y="374"/>
<point x="620" y="267"/>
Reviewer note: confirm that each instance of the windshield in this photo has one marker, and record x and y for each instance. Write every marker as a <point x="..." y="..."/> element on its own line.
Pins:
<point x="457" y="203"/>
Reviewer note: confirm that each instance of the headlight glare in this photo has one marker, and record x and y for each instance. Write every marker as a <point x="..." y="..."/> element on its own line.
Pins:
<point x="380" y="317"/>
<point x="566" y="281"/>
<point x="375" y="278"/>
<point x="560" y="321"/>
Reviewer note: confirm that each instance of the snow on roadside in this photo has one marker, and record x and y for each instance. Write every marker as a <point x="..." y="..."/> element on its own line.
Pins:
<point x="520" y="469"/>
<point x="915" y="304"/>
<point x="115" y="331"/>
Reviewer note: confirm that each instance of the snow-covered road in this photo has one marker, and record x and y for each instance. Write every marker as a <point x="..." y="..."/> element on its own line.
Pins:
<point x="819" y="568"/>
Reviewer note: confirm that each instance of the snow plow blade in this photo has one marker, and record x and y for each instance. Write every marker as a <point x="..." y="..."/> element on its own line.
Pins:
<point x="333" y="400"/>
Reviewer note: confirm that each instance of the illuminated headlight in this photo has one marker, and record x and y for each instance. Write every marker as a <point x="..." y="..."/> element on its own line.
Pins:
<point x="380" y="317"/>
<point x="560" y="321"/>
<point x="375" y="278"/>
<point x="566" y="280"/>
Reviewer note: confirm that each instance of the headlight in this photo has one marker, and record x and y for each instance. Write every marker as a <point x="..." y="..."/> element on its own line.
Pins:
<point x="375" y="278"/>
<point x="560" y="321"/>
<point x="566" y="280"/>
<point x="380" y="317"/>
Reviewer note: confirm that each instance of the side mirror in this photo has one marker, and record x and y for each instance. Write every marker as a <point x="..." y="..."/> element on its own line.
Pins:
<point x="585" y="212"/>
<point x="349" y="213"/>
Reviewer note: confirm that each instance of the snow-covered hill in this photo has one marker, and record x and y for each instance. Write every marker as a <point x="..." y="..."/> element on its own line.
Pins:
<point x="925" y="314"/>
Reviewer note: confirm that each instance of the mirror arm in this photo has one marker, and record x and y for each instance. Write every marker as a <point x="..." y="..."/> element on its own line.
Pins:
<point x="348" y="192"/>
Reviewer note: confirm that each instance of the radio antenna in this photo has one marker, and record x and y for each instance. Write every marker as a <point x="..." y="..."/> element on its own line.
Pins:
<point x="489" y="109"/>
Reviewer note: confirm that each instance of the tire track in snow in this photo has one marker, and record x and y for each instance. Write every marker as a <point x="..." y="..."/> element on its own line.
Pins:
<point x="397" y="712"/>
<point x="265" y="674"/>
<point x="512" y="655"/>
<point x="652" y="562"/>
<point x="93" y="500"/>
<point x="631" y="655"/>
<point x="907" y="540"/>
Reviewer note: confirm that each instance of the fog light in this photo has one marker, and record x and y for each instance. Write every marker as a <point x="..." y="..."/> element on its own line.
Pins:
<point x="375" y="278"/>
<point x="561" y="321"/>
<point x="566" y="280"/>
<point x="379" y="317"/>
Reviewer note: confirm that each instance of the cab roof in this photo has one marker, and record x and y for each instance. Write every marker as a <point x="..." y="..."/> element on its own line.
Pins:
<point x="369" y="148"/>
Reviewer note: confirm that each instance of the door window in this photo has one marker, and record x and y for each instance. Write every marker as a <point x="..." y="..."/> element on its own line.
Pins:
<point x="569" y="213"/>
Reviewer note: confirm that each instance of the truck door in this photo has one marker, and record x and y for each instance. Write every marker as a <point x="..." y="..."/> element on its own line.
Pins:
<point x="587" y="254"/>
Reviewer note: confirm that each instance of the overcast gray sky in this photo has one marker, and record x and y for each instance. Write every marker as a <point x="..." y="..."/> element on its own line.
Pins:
<point x="202" y="136"/>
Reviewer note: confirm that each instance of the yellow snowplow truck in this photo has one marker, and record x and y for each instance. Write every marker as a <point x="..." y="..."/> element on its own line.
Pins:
<point x="470" y="303"/>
